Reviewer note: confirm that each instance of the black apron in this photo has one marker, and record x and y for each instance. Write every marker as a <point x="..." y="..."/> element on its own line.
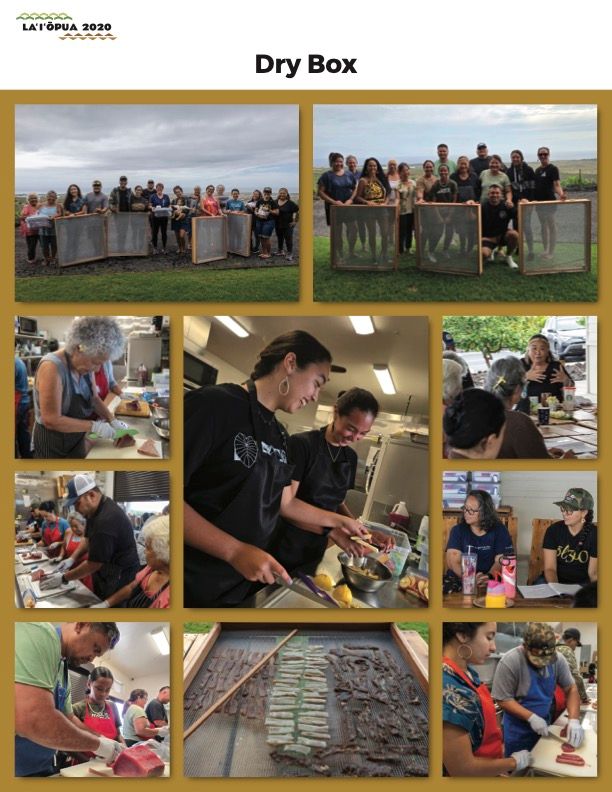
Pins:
<point x="324" y="484"/>
<point x="51" y="444"/>
<point x="250" y="517"/>
<point x="140" y="599"/>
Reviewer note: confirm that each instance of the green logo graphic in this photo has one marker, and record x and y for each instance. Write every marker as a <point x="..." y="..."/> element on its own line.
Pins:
<point x="44" y="16"/>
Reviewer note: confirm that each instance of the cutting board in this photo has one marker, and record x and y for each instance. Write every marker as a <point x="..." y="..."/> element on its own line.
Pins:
<point x="104" y="449"/>
<point x="64" y="588"/>
<point x="101" y="770"/>
<point x="547" y="748"/>
<point x="119" y="406"/>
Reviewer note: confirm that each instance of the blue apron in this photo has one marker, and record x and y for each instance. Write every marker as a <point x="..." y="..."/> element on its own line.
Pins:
<point x="32" y="759"/>
<point x="518" y="734"/>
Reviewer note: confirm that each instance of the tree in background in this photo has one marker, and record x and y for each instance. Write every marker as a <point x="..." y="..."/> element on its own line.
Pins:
<point x="489" y="334"/>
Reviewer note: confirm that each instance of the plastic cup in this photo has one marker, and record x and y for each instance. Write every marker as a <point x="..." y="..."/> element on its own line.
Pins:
<point x="569" y="398"/>
<point x="468" y="573"/>
<point x="533" y="404"/>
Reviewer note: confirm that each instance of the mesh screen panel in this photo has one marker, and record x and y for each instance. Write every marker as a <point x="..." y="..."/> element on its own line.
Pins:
<point x="208" y="239"/>
<point x="239" y="233"/>
<point x="555" y="237"/>
<point x="375" y="225"/>
<point x="234" y="745"/>
<point x="79" y="239"/>
<point x="128" y="234"/>
<point x="448" y="238"/>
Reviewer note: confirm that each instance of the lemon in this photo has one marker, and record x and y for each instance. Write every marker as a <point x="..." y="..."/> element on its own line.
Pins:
<point x="343" y="594"/>
<point x="324" y="581"/>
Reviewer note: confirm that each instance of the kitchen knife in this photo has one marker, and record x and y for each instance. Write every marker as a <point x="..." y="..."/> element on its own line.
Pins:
<point x="293" y="586"/>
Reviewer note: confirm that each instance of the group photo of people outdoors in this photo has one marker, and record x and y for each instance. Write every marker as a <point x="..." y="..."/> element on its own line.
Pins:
<point x="519" y="387"/>
<point x="520" y="699"/>
<point x="518" y="538"/>
<point x="131" y="209"/>
<point x="514" y="197"/>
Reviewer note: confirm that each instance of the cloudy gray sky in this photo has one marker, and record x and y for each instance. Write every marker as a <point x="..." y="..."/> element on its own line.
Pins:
<point x="247" y="146"/>
<point x="411" y="132"/>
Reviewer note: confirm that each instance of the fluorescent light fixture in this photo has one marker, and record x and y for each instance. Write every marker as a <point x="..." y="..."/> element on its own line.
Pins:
<point x="161" y="641"/>
<point x="362" y="325"/>
<point x="383" y="375"/>
<point x="234" y="326"/>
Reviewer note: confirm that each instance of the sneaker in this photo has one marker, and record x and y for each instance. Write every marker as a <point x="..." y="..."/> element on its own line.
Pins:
<point x="512" y="264"/>
<point x="432" y="258"/>
<point x="289" y="257"/>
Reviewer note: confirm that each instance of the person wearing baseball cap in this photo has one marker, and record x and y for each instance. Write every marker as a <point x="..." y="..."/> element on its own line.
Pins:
<point x="112" y="557"/>
<point x="570" y="544"/>
<point x="570" y="641"/>
<point x="524" y="687"/>
<point x="482" y="159"/>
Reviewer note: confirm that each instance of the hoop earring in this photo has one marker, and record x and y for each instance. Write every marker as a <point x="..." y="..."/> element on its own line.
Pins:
<point x="464" y="656"/>
<point x="283" y="387"/>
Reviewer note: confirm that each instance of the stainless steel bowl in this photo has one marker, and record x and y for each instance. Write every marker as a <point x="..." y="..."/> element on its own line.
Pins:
<point x="352" y="567"/>
<point x="160" y="408"/>
<point x="162" y="427"/>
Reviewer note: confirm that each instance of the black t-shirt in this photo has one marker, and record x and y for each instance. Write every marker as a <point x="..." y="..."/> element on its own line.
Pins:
<point x="443" y="193"/>
<point x="220" y="448"/>
<point x="544" y="181"/>
<point x="467" y="189"/>
<point x="156" y="711"/>
<point x="522" y="182"/>
<point x="573" y="552"/>
<point x="495" y="219"/>
<point x="285" y="213"/>
<point x="124" y="200"/>
<point x="265" y="205"/>
<point x="303" y="450"/>
<point x="534" y="388"/>
<point x="479" y="165"/>
<point x="112" y="544"/>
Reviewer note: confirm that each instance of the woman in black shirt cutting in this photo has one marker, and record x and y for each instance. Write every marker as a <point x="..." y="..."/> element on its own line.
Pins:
<point x="237" y="472"/>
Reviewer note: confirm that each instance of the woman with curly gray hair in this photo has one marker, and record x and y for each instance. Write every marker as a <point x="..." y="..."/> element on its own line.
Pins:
<point x="65" y="393"/>
<point x="151" y="586"/>
<point x="506" y="380"/>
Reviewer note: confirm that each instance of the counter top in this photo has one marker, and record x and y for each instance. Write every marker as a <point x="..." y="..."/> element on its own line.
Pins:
<point x="104" y="449"/>
<point x="459" y="600"/>
<point x="389" y="596"/>
<point x="78" y="597"/>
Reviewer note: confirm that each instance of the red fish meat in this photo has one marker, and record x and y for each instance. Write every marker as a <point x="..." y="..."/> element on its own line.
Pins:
<point x="571" y="759"/>
<point x="138" y="762"/>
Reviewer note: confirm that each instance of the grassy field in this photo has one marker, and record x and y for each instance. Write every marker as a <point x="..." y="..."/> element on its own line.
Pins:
<point x="409" y="284"/>
<point x="420" y="627"/>
<point x="571" y="171"/>
<point x="280" y="284"/>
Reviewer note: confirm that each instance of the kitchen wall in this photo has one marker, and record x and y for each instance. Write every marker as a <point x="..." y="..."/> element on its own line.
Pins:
<point x="533" y="495"/>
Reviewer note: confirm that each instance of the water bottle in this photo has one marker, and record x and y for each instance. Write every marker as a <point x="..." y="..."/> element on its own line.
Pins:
<point x="508" y="565"/>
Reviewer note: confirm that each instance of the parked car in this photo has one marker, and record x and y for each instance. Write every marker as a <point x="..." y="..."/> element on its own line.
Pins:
<point x="567" y="336"/>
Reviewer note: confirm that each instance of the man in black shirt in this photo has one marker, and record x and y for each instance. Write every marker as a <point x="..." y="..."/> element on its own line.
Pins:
<point x="481" y="162"/>
<point x="120" y="197"/>
<point x="496" y="217"/>
<point x="156" y="711"/>
<point x="112" y="557"/>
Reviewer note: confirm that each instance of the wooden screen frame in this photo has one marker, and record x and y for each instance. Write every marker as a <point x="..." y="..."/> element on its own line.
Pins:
<point x="420" y="258"/>
<point x="195" y="223"/>
<point x="371" y="268"/>
<point x="587" y="236"/>
<point x="77" y="219"/>
<point x="108" y="219"/>
<point x="246" y="250"/>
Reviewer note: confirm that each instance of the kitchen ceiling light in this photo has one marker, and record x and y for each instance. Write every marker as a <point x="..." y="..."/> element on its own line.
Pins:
<point x="383" y="375"/>
<point x="362" y="325"/>
<point x="234" y="326"/>
<point x="161" y="640"/>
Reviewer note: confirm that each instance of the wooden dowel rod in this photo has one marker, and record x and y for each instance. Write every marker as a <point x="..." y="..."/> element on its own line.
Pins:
<point x="236" y="686"/>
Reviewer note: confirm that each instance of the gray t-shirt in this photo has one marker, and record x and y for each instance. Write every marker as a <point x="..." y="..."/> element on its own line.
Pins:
<point x="512" y="679"/>
<point x="95" y="201"/>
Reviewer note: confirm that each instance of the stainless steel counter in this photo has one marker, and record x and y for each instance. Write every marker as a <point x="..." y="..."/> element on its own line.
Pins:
<point x="78" y="597"/>
<point x="389" y="596"/>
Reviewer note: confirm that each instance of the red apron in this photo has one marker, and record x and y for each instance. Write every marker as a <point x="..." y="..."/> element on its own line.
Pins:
<point x="70" y="549"/>
<point x="106" y="727"/>
<point x="51" y="533"/>
<point x="559" y="703"/>
<point x="492" y="746"/>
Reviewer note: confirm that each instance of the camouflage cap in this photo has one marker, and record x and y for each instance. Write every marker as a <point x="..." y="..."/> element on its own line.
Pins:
<point x="539" y="641"/>
<point x="576" y="498"/>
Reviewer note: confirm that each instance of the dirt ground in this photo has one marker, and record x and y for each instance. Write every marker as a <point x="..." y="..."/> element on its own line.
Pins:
<point x="157" y="263"/>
